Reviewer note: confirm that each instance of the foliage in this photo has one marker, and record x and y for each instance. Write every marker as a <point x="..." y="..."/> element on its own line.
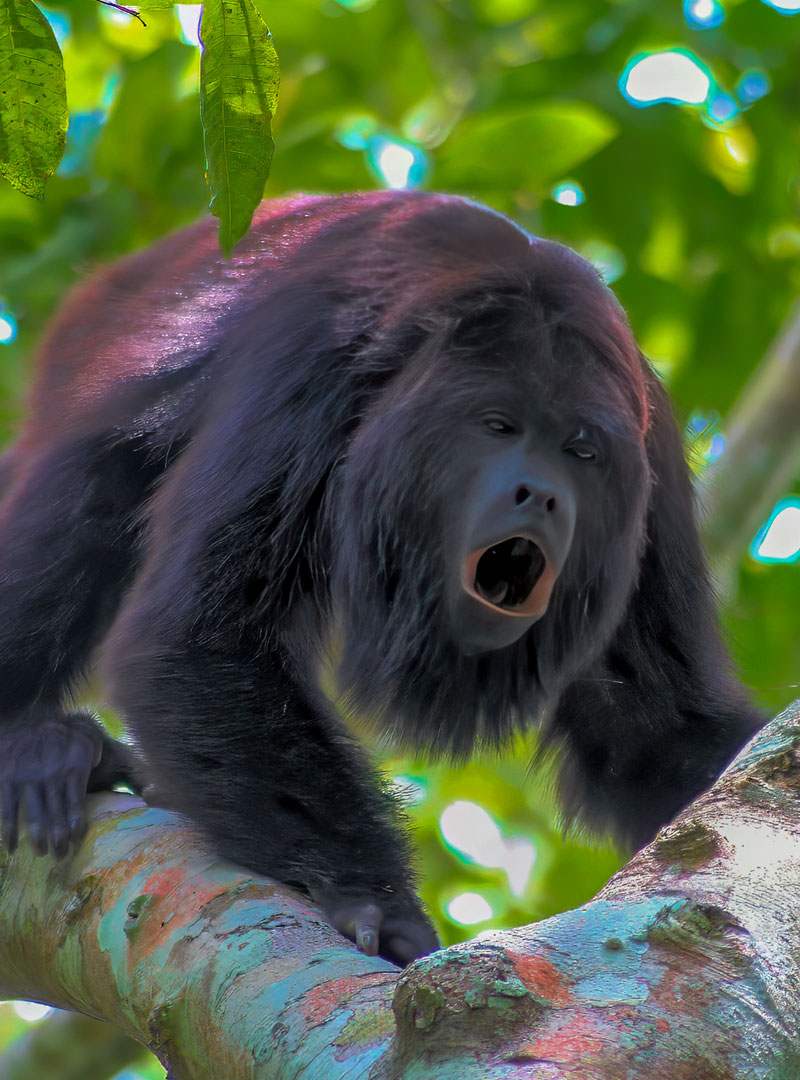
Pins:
<point x="33" y="101"/>
<point x="690" y="209"/>
<point x="238" y="94"/>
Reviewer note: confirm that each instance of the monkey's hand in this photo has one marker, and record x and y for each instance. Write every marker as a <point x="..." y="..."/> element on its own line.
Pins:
<point x="46" y="767"/>
<point x="396" y="930"/>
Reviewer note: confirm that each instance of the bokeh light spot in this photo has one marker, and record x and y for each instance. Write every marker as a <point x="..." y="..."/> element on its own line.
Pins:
<point x="115" y="16"/>
<point x="84" y="127"/>
<point x="189" y="18"/>
<point x="738" y="149"/>
<point x="674" y="76"/>
<point x="410" y="790"/>
<point x="703" y="14"/>
<point x="568" y="193"/>
<point x="698" y="424"/>
<point x="31" y="1011"/>
<point x="784" y="241"/>
<point x="752" y="85"/>
<point x="356" y="5"/>
<point x="471" y="831"/>
<point x="717" y="446"/>
<point x="785" y="7"/>
<point x="722" y="107"/>
<point x="778" y="540"/>
<point x="8" y="328"/>
<point x="396" y="164"/>
<point x="707" y="442"/>
<point x="469" y="908"/>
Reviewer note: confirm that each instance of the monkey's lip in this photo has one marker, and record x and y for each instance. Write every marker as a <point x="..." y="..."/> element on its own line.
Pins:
<point x="512" y="576"/>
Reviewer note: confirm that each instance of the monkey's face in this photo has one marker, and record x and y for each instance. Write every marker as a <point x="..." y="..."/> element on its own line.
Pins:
<point x="510" y="538"/>
<point x="522" y="475"/>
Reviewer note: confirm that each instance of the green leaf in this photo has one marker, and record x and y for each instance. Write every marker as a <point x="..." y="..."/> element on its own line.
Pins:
<point x="536" y="144"/>
<point x="33" y="100"/>
<point x="239" y="81"/>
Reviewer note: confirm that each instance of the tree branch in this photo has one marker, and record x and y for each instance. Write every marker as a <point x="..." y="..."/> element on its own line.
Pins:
<point x="686" y="965"/>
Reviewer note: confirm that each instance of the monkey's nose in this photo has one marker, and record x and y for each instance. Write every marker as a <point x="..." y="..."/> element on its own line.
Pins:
<point x="532" y="496"/>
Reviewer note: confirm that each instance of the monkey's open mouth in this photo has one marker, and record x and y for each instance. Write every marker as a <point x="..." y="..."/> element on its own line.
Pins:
<point x="506" y="573"/>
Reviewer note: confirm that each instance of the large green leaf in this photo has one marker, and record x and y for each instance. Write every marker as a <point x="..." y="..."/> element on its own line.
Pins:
<point x="239" y="80"/>
<point x="536" y="144"/>
<point x="33" y="100"/>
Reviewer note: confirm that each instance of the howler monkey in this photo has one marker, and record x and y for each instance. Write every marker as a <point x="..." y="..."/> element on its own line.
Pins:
<point x="394" y="438"/>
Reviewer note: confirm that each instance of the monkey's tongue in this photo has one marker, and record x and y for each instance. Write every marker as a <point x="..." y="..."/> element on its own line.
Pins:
<point x="507" y="572"/>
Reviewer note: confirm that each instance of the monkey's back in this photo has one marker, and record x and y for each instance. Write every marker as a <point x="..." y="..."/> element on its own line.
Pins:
<point x="163" y="309"/>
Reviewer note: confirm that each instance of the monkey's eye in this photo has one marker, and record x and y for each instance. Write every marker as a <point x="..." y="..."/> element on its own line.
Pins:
<point x="499" y="424"/>
<point x="582" y="447"/>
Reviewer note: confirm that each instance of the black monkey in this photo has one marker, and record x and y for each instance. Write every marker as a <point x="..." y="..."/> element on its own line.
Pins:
<point x="395" y="437"/>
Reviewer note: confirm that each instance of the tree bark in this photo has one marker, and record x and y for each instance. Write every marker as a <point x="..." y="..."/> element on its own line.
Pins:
<point x="686" y="965"/>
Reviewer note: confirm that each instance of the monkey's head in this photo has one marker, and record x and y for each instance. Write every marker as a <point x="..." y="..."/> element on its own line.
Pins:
<point x="492" y="504"/>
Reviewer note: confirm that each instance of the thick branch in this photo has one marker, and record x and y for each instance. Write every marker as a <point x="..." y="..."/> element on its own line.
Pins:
<point x="685" y="965"/>
<point x="219" y="974"/>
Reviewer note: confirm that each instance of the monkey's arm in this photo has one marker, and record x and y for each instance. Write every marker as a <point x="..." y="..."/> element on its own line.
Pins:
<point x="64" y="559"/>
<point x="275" y="783"/>
<point x="657" y="718"/>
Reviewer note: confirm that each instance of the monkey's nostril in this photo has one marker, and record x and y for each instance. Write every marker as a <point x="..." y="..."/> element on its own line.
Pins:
<point x="531" y="496"/>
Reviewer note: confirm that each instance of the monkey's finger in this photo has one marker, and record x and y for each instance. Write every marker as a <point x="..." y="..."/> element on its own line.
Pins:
<point x="9" y="816"/>
<point x="360" y="920"/>
<point x="357" y="918"/>
<point x="35" y="817"/>
<point x="367" y="930"/>
<point x="75" y="803"/>
<point x="55" y="797"/>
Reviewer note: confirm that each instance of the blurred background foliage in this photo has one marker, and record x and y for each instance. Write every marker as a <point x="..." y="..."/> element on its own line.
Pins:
<point x="660" y="139"/>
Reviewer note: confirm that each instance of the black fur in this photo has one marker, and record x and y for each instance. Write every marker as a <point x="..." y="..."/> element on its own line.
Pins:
<point x="244" y="475"/>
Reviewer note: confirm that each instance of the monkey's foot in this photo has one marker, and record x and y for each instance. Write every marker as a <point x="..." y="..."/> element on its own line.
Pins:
<point x="397" y="934"/>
